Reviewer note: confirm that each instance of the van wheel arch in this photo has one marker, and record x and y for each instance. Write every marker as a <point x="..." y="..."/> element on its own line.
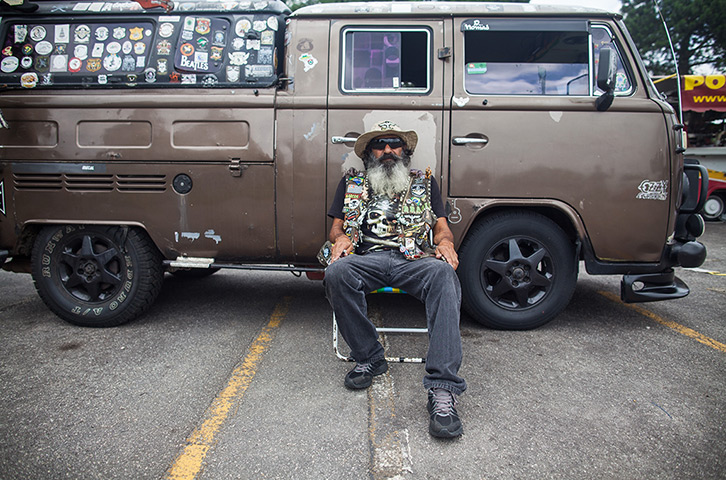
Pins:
<point x="518" y="269"/>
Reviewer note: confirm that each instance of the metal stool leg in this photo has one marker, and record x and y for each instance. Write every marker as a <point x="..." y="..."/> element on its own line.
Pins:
<point x="348" y="358"/>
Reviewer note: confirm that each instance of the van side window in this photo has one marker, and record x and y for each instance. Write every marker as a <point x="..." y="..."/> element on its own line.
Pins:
<point x="378" y="60"/>
<point x="601" y="37"/>
<point x="525" y="61"/>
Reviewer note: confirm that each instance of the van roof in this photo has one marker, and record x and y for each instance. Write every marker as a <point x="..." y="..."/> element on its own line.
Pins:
<point x="446" y="8"/>
<point x="109" y="7"/>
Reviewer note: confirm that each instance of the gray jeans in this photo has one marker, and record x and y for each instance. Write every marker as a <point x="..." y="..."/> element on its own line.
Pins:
<point x="432" y="281"/>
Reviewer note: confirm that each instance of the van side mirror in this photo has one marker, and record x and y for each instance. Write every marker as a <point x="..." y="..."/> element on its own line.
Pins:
<point x="607" y="69"/>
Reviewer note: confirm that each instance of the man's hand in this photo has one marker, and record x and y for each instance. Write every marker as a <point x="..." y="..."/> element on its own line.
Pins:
<point x="444" y="240"/>
<point x="342" y="245"/>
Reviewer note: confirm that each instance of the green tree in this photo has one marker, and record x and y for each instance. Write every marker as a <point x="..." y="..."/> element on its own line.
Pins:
<point x="697" y="28"/>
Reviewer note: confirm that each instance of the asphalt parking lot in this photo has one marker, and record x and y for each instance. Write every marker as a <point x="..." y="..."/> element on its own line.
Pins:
<point x="233" y="377"/>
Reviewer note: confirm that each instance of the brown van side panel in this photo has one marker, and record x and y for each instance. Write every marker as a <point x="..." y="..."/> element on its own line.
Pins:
<point x="302" y="132"/>
<point x="114" y="163"/>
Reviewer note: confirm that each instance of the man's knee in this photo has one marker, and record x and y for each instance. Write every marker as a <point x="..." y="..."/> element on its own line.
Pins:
<point x="336" y="271"/>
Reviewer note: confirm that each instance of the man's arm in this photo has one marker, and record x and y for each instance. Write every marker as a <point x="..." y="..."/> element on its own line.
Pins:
<point x="342" y="245"/>
<point x="444" y="240"/>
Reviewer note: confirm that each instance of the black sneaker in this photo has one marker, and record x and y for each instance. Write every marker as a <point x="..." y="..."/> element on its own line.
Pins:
<point x="362" y="375"/>
<point x="444" y="421"/>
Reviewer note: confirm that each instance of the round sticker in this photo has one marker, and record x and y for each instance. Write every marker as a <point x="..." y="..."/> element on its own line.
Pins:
<point x="27" y="49"/>
<point x="81" y="51"/>
<point x="82" y="33"/>
<point x="166" y="30"/>
<point x="37" y="33"/>
<point x="75" y="64"/>
<point x="26" y="62"/>
<point x="112" y="62"/>
<point x="9" y="64"/>
<point x="101" y="34"/>
<point x="127" y="47"/>
<point x="260" y="25"/>
<point x="29" y="80"/>
<point x="186" y="49"/>
<point x="242" y="27"/>
<point x="44" y="47"/>
<point x="113" y="47"/>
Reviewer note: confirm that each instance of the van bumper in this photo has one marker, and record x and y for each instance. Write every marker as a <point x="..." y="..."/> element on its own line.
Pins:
<point x="653" y="287"/>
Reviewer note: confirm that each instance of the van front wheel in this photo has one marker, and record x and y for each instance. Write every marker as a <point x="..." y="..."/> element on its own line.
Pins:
<point x="96" y="276"/>
<point x="517" y="271"/>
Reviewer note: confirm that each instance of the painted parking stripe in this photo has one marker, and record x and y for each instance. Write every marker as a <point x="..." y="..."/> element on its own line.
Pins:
<point x="682" y="329"/>
<point x="189" y="463"/>
<point x="703" y="270"/>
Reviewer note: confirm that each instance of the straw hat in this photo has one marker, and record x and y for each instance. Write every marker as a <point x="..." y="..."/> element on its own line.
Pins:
<point x="385" y="127"/>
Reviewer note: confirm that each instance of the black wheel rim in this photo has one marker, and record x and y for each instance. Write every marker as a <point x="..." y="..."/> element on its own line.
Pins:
<point x="517" y="273"/>
<point x="90" y="268"/>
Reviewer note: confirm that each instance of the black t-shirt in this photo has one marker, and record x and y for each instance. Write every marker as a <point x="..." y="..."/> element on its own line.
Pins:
<point x="380" y="214"/>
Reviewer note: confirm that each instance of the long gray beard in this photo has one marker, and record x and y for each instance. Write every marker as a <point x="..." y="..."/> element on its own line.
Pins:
<point x="388" y="180"/>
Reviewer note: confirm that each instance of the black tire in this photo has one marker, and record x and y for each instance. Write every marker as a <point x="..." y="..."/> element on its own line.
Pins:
<point x="96" y="276"/>
<point x="714" y="207"/>
<point x="192" y="273"/>
<point x="517" y="271"/>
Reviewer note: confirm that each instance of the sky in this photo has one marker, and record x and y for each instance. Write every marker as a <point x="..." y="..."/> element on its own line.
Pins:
<point x="610" y="5"/>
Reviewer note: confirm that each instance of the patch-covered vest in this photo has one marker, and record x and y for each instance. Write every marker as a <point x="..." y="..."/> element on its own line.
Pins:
<point x="413" y="220"/>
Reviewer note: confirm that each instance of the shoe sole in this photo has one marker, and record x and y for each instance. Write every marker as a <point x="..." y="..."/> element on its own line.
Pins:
<point x="359" y="386"/>
<point x="443" y="433"/>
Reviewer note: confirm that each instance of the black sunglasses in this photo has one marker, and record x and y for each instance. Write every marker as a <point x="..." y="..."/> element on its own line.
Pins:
<point x="380" y="143"/>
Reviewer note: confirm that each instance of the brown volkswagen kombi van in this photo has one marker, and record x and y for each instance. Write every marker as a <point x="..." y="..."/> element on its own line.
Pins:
<point x="213" y="136"/>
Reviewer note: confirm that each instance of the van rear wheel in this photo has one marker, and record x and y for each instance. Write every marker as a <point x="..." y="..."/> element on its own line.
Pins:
<point x="96" y="276"/>
<point x="518" y="271"/>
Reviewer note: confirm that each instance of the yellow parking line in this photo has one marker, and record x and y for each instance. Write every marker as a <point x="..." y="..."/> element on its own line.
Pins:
<point x="703" y="270"/>
<point x="689" y="332"/>
<point x="189" y="463"/>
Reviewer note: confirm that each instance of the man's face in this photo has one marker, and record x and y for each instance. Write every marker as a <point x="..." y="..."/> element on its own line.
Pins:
<point x="386" y="148"/>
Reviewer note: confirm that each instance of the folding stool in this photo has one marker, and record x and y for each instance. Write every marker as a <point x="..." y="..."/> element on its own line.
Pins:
<point x="348" y="358"/>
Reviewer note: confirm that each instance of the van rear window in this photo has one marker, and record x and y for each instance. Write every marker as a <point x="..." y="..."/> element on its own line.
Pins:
<point x="377" y="60"/>
<point x="527" y="62"/>
<point x="206" y="50"/>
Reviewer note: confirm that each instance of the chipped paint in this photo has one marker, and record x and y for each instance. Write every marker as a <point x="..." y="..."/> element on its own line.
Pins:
<point x="425" y="127"/>
<point x="461" y="101"/>
<point x="2" y="197"/>
<point x="314" y="131"/>
<point x="556" y="116"/>
<point x="187" y="235"/>
<point x="211" y="235"/>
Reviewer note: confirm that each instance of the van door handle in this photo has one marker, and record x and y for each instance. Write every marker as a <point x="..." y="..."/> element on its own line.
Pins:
<point x="469" y="141"/>
<point x="343" y="139"/>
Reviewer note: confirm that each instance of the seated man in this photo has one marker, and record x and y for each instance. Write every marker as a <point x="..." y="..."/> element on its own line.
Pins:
<point x="393" y="220"/>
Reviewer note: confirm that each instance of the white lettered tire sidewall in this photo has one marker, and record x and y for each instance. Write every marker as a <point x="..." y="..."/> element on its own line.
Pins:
<point x="96" y="276"/>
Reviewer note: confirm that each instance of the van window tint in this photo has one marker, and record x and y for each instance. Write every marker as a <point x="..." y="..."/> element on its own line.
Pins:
<point x="601" y="37"/>
<point x="526" y="62"/>
<point x="386" y="60"/>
